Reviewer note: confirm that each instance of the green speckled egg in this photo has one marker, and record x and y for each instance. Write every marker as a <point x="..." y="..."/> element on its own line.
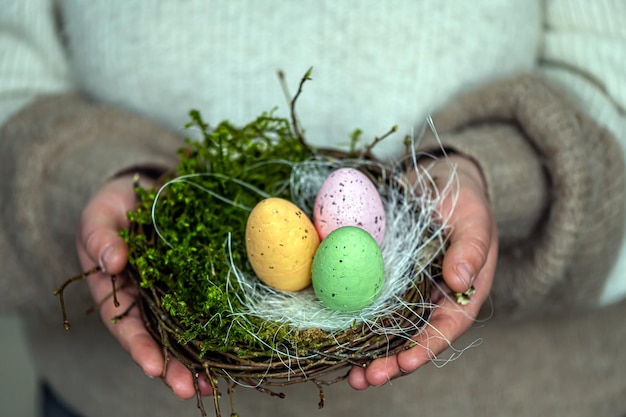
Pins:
<point x="347" y="270"/>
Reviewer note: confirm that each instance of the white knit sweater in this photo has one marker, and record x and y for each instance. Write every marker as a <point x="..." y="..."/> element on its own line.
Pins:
<point x="427" y="52"/>
<point x="131" y="54"/>
<point x="238" y="46"/>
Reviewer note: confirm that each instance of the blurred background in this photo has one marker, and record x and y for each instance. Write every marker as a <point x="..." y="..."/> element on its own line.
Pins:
<point x="18" y="397"/>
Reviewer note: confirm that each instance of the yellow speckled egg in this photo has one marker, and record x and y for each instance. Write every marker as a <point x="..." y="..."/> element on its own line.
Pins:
<point x="281" y="242"/>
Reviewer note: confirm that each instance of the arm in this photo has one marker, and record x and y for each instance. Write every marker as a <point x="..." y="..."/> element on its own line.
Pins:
<point x="556" y="185"/>
<point x="66" y="158"/>
<point x="583" y="50"/>
<point x="64" y="173"/>
<point x="57" y="152"/>
<point x="550" y="181"/>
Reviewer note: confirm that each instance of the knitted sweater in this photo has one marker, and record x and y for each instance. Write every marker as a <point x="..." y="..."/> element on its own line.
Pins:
<point x="89" y="90"/>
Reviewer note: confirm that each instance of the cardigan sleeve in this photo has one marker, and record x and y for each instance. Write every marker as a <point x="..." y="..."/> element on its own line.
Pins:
<point x="55" y="154"/>
<point x="556" y="181"/>
<point x="583" y="50"/>
<point x="56" y="149"/>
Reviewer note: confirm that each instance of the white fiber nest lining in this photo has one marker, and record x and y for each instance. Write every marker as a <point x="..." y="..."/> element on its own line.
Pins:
<point x="410" y="214"/>
<point x="413" y="226"/>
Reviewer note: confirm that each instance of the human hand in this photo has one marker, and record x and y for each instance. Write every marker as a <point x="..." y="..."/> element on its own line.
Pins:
<point x="99" y="243"/>
<point x="470" y="260"/>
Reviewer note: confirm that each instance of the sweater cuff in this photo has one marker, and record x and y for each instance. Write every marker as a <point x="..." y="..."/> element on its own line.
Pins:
<point x="57" y="152"/>
<point x="517" y="186"/>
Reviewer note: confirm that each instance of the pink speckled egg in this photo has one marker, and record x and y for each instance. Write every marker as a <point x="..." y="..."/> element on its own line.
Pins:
<point x="348" y="198"/>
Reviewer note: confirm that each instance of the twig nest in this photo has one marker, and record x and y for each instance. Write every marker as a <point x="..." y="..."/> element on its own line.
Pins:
<point x="228" y="316"/>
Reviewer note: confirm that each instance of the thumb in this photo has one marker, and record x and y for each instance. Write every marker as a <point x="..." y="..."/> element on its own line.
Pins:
<point x="468" y="213"/>
<point x="471" y="240"/>
<point x="98" y="238"/>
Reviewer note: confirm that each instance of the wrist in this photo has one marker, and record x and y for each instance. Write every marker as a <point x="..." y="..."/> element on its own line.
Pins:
<point x="443" y="167"/>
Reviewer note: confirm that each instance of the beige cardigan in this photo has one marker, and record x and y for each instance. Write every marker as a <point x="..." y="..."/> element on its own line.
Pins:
<point x="556" y="181"/>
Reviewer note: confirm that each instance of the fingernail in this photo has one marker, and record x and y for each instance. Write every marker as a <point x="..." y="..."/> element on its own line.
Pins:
<point x="465" y="273"/>
<point x="105" y="257"/>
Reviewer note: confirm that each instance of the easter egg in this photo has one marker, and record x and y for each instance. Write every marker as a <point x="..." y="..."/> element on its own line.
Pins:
<point x="347" y="271"/>
<point x="281" y="241"/>
<point x="348" y="198"/>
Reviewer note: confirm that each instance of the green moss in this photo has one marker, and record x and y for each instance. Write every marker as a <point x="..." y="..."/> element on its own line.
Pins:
<point x="207" y="202"/>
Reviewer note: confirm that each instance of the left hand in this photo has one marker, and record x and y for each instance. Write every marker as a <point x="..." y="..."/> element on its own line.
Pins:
<point x="470" y="260"/>
<point x="98" y="242"/>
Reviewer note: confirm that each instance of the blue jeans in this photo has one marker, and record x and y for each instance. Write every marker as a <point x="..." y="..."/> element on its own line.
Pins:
<point x="51" y="406"/>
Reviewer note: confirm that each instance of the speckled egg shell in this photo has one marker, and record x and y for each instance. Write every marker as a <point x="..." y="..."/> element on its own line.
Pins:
<point x="348" y="198"/>
<point x="348" y="272"/>
<point x="281" y="242"/>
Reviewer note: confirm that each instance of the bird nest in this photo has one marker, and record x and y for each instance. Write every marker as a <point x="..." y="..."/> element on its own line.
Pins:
<point x="313" y="355"/>
<point x="199" y="297"/>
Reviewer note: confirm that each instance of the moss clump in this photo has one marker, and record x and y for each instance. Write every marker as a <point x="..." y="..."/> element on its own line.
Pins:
<point x="187" y="239"/>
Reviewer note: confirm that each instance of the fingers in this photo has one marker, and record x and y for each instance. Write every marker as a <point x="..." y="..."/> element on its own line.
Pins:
<point x="448" y="322"/>
<point x="472" y="224"/>
<point x="445" y="325"/>
<point x="377" y="373"/>
<point x="470" y="240"/>
<point x="98" y="242"/>
<point x="470" y="260"/>
<point x="131" y="333"/>
<point x="101" y="220"/>
<point x="180" y="380"/>
<point x="130" y="330"/>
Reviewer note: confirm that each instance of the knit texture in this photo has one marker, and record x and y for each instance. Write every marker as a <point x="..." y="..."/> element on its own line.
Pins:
<point x="376" y="64"/>
<point x="584" y="50"/>
<point x="575" y="239"/>
<point x="56" y="155"/>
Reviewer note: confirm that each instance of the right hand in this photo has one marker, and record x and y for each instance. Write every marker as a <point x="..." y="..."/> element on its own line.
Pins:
<point x="474" y="243"/>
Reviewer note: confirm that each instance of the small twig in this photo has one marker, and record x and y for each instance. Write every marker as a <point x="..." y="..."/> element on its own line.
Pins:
<point x="319" y="383"/>
<point x="284" y="87"/>
<point x="199" y="403"/>
<point x="213" y="382"/>
<point x="231" y="396"/>
<point x="270" y="392"/>
<point x="376" y="141"/>
<point x="322" y="401"/>
<point x="59" y="291"/>
<point x="124" y="313"/>
<point x="164" y="344"/>
<point x="294" y="118"/>
<point x="116" y="303"/>
<point x="97" y="305"/>
<point x="408" y="145"/>
<point x="136" y="185"/>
